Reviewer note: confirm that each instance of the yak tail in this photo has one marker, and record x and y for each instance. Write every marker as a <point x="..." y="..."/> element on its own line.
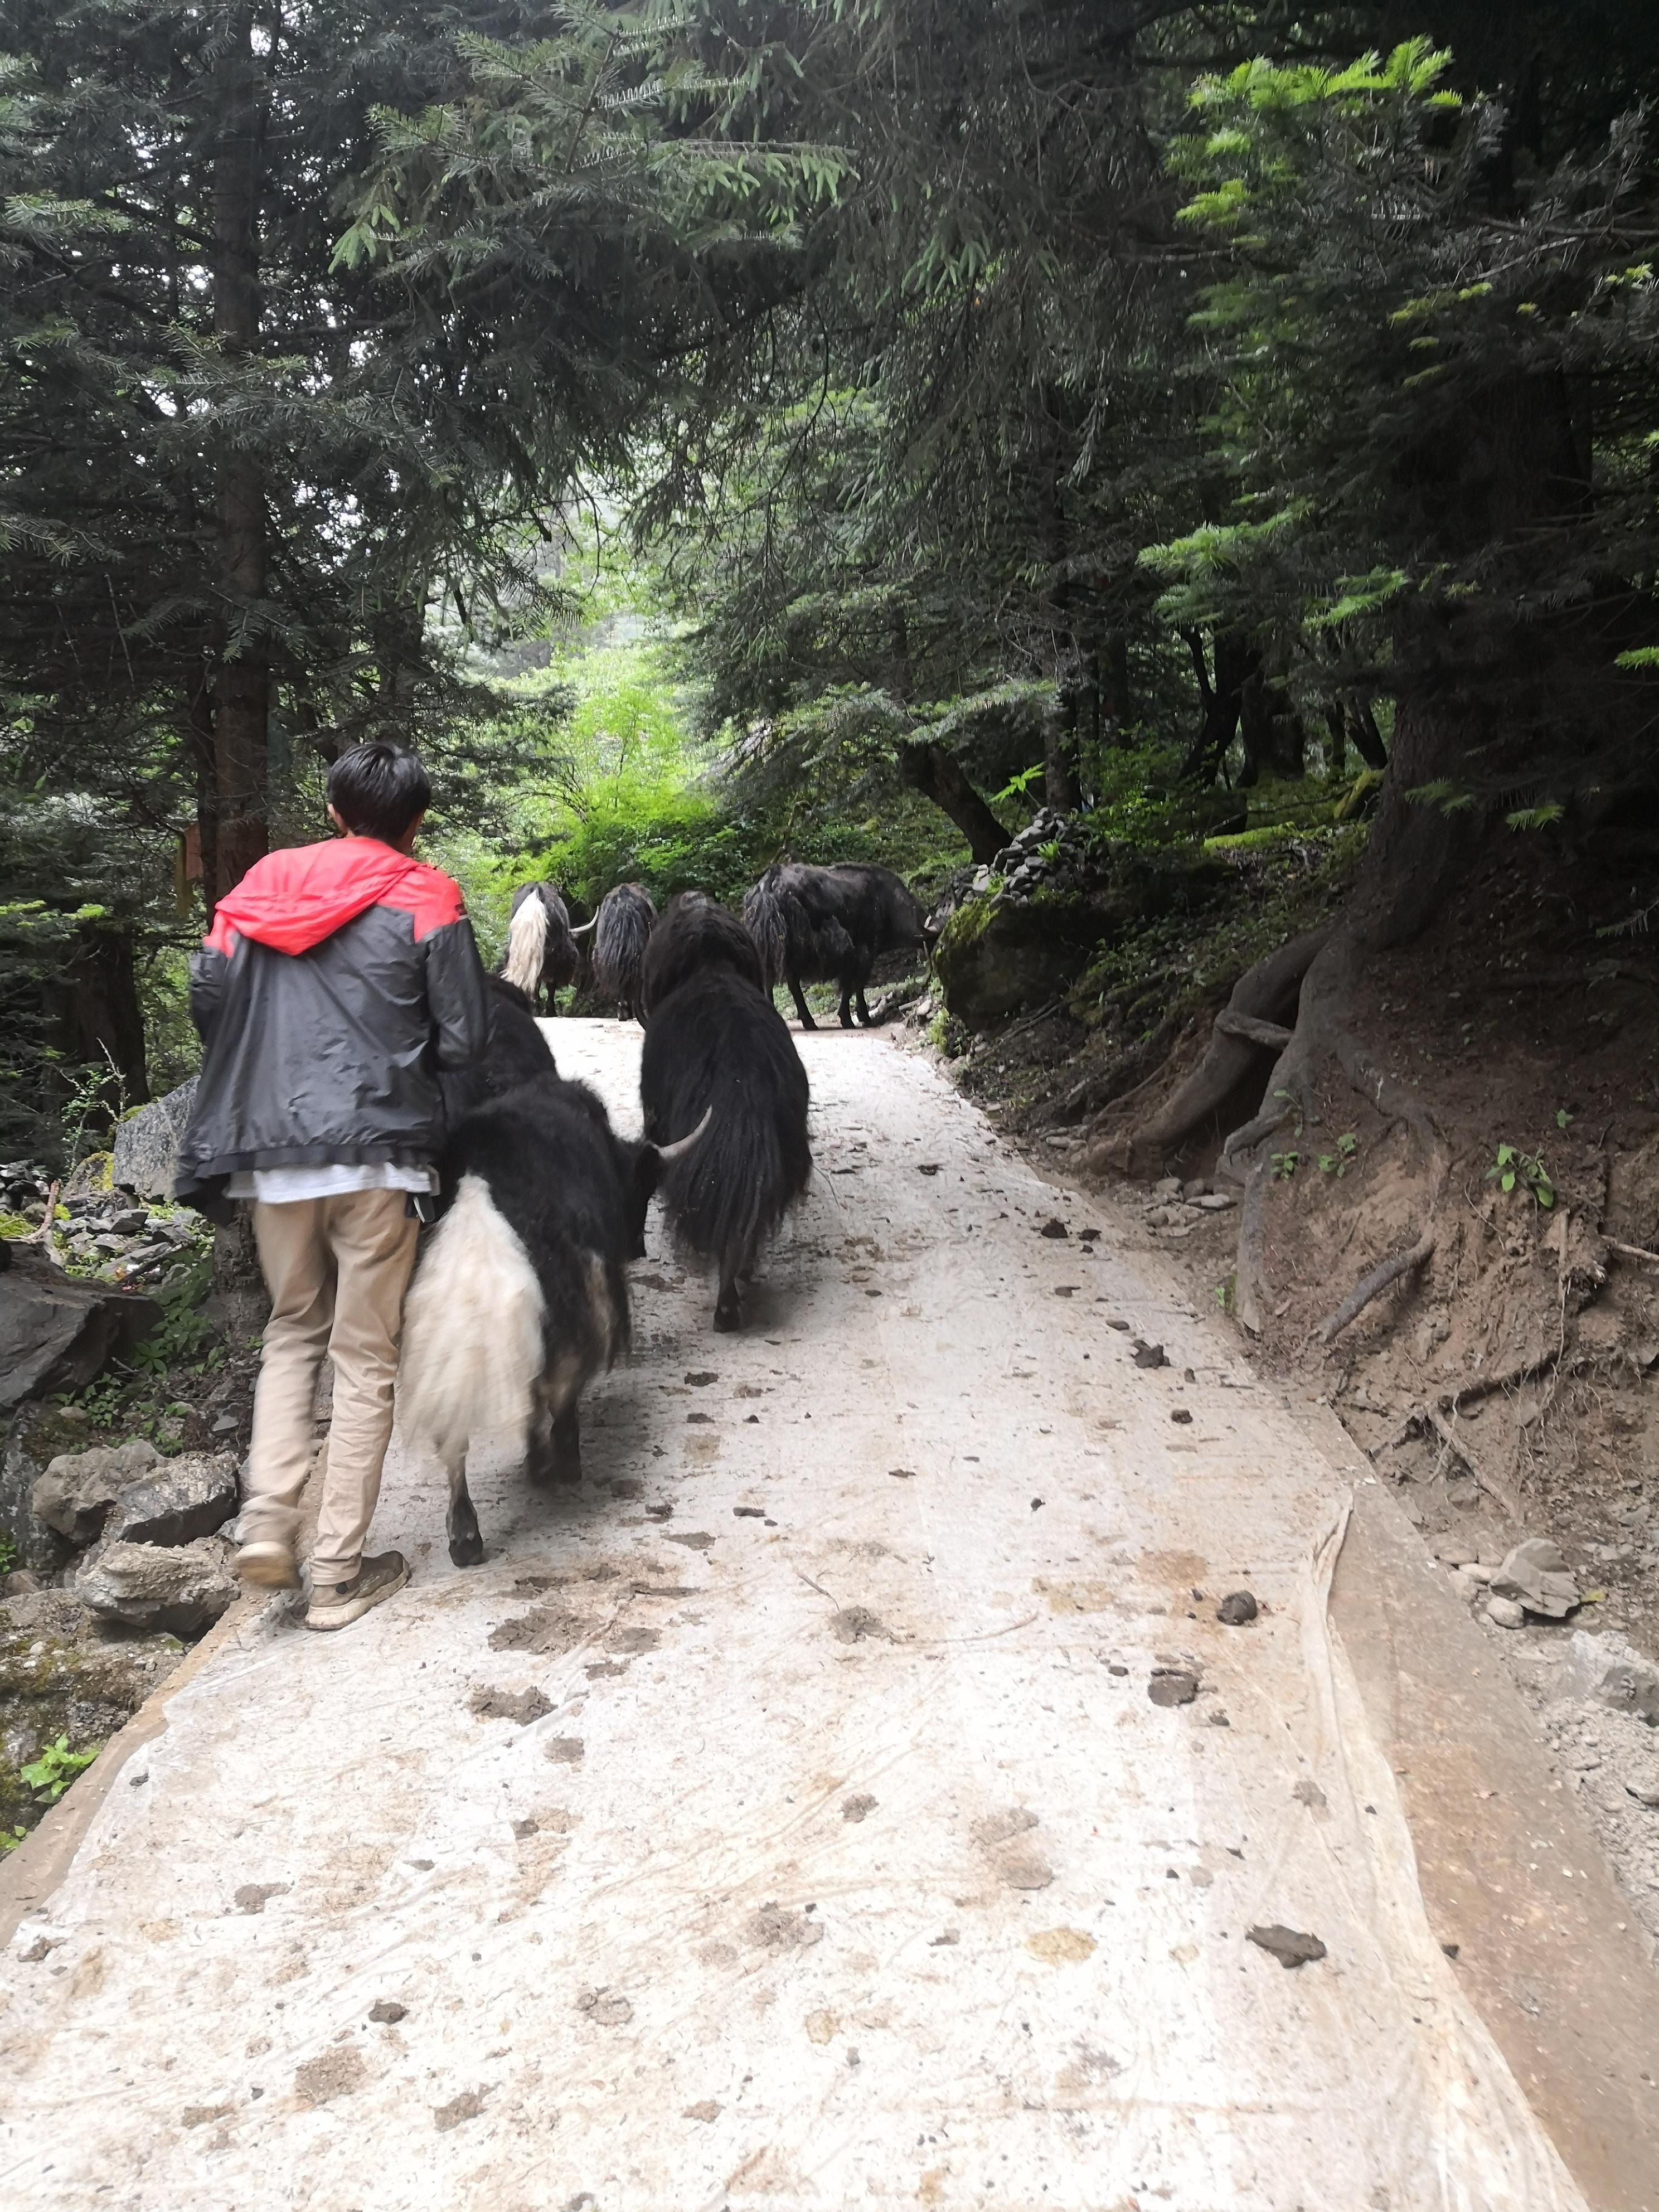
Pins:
<point x="472" y="1348"/>
<point x="767" y="922"/>
<point x="527" y="945"/>
<point x="623" y="925"/>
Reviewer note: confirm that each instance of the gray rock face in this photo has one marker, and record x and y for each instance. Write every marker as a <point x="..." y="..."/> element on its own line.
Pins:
<point x="183" y="1499"/>
<point x="1604" y="1668"/>
<point x="182" y="1591"/>
<point x="147" y="1143"/>
<point x="58" y="1334"/>
<point x="1536" y="1575"/>
<point x="75" y="1493"/>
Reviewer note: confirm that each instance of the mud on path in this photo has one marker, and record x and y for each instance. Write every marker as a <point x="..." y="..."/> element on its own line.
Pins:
<point x="850" y="1796"/>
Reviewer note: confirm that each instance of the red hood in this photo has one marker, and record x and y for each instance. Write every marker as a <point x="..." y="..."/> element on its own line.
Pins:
<point x="293" y="899"/>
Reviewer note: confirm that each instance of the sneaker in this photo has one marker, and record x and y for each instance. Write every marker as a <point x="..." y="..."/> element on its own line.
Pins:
<point x="337" y="1605"/>
<point x="268" y="1565"/>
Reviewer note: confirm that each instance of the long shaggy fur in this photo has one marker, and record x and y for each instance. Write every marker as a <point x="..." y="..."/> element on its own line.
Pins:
<point x="474" y="1325"/>
<point x="717" y="1042"/>
<point x="830" y="925"/>
<point x="693" y="933"/>
<point x="541" y="952"/>
<point x="622" y="931"/>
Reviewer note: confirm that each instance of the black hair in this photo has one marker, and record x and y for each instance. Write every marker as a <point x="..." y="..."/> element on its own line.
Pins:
<point x="379" y="789"/>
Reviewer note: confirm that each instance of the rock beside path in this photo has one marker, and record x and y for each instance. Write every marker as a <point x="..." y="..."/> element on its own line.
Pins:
<point x="183" y="1591"/>
<point x="1605" y="1669"/>
<point x="1536" y="1575"/>
<point x="147" y="1143"/>
<point x="75" y="1494"/>
<point x="180" y="1500"/>
<point x="57" y="1333"/>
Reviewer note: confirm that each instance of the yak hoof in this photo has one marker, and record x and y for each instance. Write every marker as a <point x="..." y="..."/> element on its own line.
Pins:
<point x="728" y="1317"/>
<point x="466" y="1549"/>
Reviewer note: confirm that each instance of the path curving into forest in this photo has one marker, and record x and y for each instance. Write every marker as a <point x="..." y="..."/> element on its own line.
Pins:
<point x="788" y="1819"/>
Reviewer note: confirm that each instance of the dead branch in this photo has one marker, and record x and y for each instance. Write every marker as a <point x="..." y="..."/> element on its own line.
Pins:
<point x="45" y="1235"/>
<point x="1631" y="1251"/>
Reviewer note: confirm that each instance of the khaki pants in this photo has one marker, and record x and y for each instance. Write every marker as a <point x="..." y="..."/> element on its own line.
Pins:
<point x="337" y="1269"/>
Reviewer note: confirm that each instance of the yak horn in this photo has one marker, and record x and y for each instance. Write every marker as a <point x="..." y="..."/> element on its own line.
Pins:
<point x="681" y="1145"/>
<point x="585" y="926"/>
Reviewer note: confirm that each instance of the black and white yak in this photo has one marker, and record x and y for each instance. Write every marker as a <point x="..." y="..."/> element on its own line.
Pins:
<point x="830" y="925"/>
<point x="693" y="933"/>
<point x="622" y="931"/>
<point x="541" y="953"/>
<point x="718" y="1053"/>
<point x="520" y="1298"/>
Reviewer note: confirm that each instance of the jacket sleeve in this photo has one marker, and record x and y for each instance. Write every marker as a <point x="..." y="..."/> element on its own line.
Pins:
<point x="208" y="971"/>
<point x="455" y="995"/>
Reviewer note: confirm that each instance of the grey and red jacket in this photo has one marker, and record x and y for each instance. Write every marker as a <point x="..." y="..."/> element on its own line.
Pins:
<point x="339" y="982"/>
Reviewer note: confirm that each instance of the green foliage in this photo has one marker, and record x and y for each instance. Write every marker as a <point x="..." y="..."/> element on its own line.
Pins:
<point x="1338" y="1162"/>
<point x="1283" y="1165"/>
<point x="1514" y="1169"/>
<point x="51" y="1771"/>
<point x="10" y="1838"/>
<point x="9" y="1556"/>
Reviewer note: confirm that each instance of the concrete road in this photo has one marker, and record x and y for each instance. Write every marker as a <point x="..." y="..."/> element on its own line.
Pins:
<point x="791" y="1818"/>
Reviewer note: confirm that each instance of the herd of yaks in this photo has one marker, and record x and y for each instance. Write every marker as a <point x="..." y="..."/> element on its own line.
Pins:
<point x="521" y="1295"/>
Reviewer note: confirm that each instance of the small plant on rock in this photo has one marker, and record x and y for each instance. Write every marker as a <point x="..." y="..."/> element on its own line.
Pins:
<point x="1285" y="1165"/>
<point x="1339" y="1162"/>
<point x="52" y="1773"/>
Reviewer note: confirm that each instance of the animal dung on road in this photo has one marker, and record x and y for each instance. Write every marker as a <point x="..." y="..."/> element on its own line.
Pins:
<point x="605" y="2007"/>
<point x="701" y="1378"/>
<point x="857" y="1807"/>
<point x="387" y="2012"/>
<point x="1182" y="1415"/>
<point x="1237" y="1608"/>
<point x="1149" y="1355"/>
<point x="854" y="1623"/>
<point x="1290" y="1945"/>
<point x="1172" y="1685"/>
<point x="522" y="1706"/>
<point x="1056" y="1228"/>
<point x="566" y="1750"/>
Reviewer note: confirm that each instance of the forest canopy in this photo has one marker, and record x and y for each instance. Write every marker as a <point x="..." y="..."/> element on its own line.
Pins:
<point x="1127" y="408"/>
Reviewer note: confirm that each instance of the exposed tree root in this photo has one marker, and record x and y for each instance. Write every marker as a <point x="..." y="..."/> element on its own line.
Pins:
<point x="1263" y="992"/>
<point x="1270" y="1033"/>
<point x="1373" y="1285"/>
<point x="1455" y="1447"/>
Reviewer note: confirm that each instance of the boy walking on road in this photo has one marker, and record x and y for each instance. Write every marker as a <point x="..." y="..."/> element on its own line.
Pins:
<point x="338" y="981"/>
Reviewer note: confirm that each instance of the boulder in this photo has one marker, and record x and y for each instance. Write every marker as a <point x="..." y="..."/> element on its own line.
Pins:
<point x="996" y="956"/>
<point x="182" y="1591"/>
<point x="1605" y="1669"/>
<point x="1536" y="1575"/>
<point x="183" y="1499"/>
<point x="75" y="1493"/>
<point x="147" y="1143"/>
<point x="57" y="1333"/>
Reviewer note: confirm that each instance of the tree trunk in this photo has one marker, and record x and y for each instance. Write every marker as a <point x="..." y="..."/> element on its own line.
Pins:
<point x="241" y="698"/>
<point x="1222" y="702"/>
<point x="937" y="772"/>
<point x="1272" y="736"/>
<point x="95" y="1009"/>
<point x="1059" y="780"/>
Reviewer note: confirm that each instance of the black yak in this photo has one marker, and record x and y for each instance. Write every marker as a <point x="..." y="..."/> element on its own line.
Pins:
<point x="622" y="931"/>
<point x="541" y="949"/>
<point x="520" y="1298"/>
<point x="693" y="933"/>
<point x="830" y="925"/>
<point x="717" y="1051"/>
